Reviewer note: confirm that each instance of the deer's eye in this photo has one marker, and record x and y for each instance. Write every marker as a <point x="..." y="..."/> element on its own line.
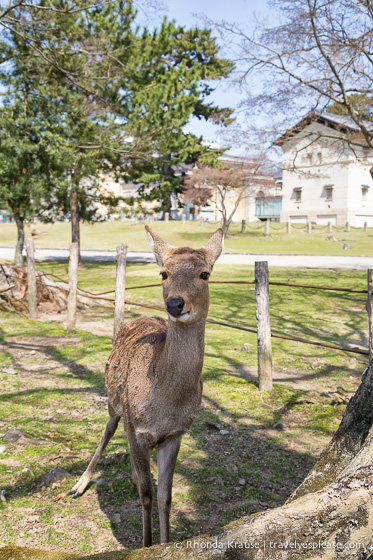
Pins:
<point x="164" y="275"/>
<point x="204" y="275"/>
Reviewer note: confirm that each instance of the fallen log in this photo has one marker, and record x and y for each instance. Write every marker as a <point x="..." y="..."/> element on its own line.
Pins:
<point x="13" y="289"/>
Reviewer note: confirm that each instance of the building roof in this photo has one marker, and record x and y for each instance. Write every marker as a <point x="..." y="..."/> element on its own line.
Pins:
<point x="341" y="123"/>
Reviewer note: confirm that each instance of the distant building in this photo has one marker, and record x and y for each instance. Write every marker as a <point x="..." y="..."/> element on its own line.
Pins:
<point x="326" y="172"/>
<point x="262" y="201"/>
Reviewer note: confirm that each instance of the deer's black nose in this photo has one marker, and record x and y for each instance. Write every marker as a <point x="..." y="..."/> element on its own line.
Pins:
<point x="175" y="306"/>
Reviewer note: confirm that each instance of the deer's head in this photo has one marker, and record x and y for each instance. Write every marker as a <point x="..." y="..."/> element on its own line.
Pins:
<point x="185" y="275"/>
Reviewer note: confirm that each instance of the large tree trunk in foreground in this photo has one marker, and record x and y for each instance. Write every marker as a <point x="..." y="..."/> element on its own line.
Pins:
<point x="349" y="443"/>
<point x="18" y="257"/>
<point x="75" y="221"/>
<point x="329" y="517"/>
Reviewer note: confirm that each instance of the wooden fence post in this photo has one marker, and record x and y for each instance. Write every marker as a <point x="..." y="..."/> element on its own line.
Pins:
<point x="183" y="218"/>
<point x="347" y="226"/>
<point x="32" y="293"/>
<point x="329" y="227"/>
<point x="73" y="286"/>
<point x="289" y="227"/>
<point x="120" y="287"/>
<point x="202" y="222"/>
<point x="266" y="227"/>
<point x="309" y="227"/>
<point x="365" y="226"/>
<point x="166" y="216"/>
<point x="370" y="312"/>
<point x="243" y="226"/>
<point x="264" y="326"/>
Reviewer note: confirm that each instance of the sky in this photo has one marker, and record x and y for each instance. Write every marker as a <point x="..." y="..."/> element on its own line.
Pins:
<point x="189" y="13"/>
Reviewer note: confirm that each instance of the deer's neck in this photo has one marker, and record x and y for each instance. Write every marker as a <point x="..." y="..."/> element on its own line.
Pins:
<point x="184" y="349"/>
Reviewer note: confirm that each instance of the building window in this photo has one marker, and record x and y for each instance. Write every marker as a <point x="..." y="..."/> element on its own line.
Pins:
<point x="329" y="193"/>
<point x="319" y="158"/>
<point x="309" y="159"/>
<point x="364" y="192"/>
<point x="298" y="194"/>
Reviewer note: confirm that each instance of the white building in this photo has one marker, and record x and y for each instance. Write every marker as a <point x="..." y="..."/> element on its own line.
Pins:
<point x="326" y="172"/>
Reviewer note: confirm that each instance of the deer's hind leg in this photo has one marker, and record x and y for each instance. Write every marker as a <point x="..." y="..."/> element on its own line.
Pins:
<point x="167" y="455"/>
<point x="85" y="479"/>
<point x="140" y="464"/>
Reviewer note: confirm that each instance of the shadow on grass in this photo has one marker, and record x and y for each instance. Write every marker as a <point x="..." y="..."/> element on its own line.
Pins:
<point x="218" y="477"/>
<point x="210" y="471"/>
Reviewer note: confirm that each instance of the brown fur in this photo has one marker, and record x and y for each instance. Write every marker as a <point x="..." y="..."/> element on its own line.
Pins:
<point x="154" y="375"/>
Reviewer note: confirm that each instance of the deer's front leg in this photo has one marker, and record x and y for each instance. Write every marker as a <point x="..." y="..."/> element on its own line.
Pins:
<point x="166" y="459"/>
<point x="140" y="461"/>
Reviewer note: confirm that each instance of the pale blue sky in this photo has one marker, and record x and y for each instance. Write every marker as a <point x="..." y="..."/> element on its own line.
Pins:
<point x="233" y="11"/>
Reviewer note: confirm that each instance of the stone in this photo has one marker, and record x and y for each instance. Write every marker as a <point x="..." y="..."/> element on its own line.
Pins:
<point x="116" y="518"/>
<point x="10" y="370"/>
<point x="279" y="425"/>
<point x="242" y="481"/>
<point x="2" y="449"/>
<point x="13" y="436"/>
<point x="16" y="436"/>
<point x="99" y="481"/>
<point x="28" y="471"/>
<point x="224" y="432"/>
<point x="109" y="460"/>
<point x="55" y="475"/>
<point x="346" y="246"/>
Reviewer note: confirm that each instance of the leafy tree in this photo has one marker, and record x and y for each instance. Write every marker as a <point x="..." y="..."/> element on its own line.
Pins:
<point x="173" y="82"/>
<point x="245" y="180"/>
<point x="361" y="102"/>
<point x="121" y="96"/>
<point x="70" y="54"/>
<point x="32" y="152"/>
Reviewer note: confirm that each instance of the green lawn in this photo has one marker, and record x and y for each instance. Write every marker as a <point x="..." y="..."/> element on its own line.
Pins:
<point x="45" y="372"/>
<point x="107" y="235"/>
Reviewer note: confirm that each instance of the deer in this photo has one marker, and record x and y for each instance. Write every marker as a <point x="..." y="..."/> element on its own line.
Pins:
<point x="154" y="376"/>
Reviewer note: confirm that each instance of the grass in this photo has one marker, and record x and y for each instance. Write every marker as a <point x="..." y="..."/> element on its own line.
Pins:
<point x="218" y="477"/>
<point x="108" y="235"/>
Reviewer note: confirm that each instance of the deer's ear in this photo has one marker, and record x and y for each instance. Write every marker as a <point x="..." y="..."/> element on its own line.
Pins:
<point x="214" y="246"/>
<point x="159" y="247"/>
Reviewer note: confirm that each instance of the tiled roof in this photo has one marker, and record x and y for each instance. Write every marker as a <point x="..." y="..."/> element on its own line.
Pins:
<point x="339" y="122"/>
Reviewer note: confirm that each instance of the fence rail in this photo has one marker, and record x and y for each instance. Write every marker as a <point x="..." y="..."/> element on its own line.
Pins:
<point x="263" y="326"/>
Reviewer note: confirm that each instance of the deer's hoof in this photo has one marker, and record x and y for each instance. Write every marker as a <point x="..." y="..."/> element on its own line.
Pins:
<point x="76" y="495"/>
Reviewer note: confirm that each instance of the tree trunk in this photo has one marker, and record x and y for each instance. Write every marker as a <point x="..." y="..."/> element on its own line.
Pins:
<point x="347" y="442"/>
<point x="18" y="257"/>
<point x="75" y="222"/>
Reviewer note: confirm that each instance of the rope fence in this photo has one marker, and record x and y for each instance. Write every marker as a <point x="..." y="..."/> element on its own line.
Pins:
<point x="248" y="282"/>
<point x="255" y="331"/>
<point x="260" y="268"/>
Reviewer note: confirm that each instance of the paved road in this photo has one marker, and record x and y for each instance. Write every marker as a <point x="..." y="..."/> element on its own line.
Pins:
<point x="297" y="261"/>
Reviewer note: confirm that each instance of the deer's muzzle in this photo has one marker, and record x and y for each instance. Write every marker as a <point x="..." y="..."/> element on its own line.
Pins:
<point x="175" y="306"/>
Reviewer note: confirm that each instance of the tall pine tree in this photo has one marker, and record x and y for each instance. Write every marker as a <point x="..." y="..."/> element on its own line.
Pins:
<point x="172" y="84"/>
